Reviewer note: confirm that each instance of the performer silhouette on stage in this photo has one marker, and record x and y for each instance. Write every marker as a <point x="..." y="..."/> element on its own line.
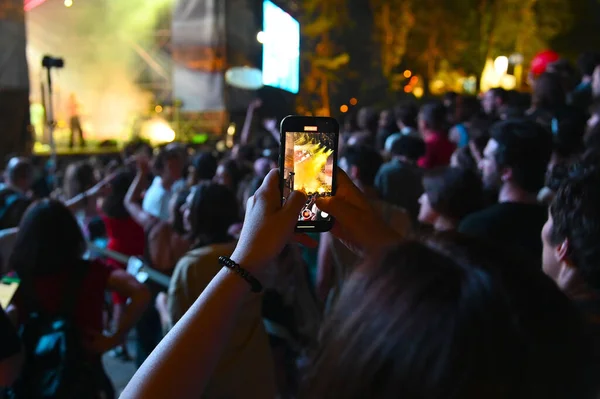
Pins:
<point x="75" y="122"/>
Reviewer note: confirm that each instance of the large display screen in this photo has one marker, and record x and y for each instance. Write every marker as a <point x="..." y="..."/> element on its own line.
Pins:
<point x="281" y="49"/>
<point x="308" y="167"/>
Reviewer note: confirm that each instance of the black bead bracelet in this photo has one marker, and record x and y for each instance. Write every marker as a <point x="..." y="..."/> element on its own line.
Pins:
<point x="255" y="285"/>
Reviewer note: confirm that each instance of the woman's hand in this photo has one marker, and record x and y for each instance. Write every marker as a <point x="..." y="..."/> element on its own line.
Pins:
<point x="268" y="226"/>
<point x="357" y="224"/>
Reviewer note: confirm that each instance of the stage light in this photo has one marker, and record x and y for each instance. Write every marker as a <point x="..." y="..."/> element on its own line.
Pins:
<point x="344" y="108"/>
<point x="260" y="37"/>
<point x="353" y="101"/>
<point x="158" y="131"/>
<point x="407" y="74"/>
<point x="158" y="109"/>
<point x="68" y="3"/>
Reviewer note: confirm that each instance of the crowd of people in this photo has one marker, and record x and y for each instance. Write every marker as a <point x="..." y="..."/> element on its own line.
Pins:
<point x="464" y="261"/>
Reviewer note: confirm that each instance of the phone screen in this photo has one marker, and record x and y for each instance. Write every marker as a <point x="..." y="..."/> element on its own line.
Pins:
<point x="8" y="288"/>
<point x="308" y="167"/>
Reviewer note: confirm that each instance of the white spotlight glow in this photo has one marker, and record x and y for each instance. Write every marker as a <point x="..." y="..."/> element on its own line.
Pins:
<point x="260" y="37"/>
<point x="158" y="131"/>
<point x="68" y="3"/>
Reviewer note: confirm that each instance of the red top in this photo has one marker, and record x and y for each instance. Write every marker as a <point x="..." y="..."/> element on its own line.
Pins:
<point x="124" y="236"/>
<point x="90" y="299"/>
<point x="438" y="151"/>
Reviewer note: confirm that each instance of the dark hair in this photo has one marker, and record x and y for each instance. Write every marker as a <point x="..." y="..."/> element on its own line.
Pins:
<point x="500" y="93"/>
<point x="113" y="205"/>
<point x="78" y="178"/>
<point x="408" y="146"/>
<point x="548" y="92"/>
<point x="232" y="168"/>
<point x="164" y="156"/>
<point x="180" y="199"/>
<point x="366" y="159"/>
<point x="575" y="213"/>
<point x="407" y="114"/>
<point x="49" y="241"/>
<point x="467" y="108"/>
<point x="22" y="169"/>
<point x="205" y="166"/>
<point x="525" y="147"/>
<point x="568" y="138"/>
<point x="434" y="116"/>
<point x="213" y="210"/>
<point x="453" y="192"/>
<point x="587" y="62"/>
<point x="450" y="318"/>
<point x="13" y="205"/>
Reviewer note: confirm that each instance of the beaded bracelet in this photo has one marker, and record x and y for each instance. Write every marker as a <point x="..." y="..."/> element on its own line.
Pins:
<point x="255" y="285"/>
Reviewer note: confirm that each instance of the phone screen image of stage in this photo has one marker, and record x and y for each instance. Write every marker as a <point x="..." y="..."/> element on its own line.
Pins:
<point x="308" y="167"/>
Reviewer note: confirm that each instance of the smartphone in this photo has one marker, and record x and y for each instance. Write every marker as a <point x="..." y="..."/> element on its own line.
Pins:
<point x="309" y="151"/>
<point x="8" y="288"/>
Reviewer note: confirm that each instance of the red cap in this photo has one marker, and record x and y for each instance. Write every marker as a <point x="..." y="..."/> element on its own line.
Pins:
<point x="540" y="62"/>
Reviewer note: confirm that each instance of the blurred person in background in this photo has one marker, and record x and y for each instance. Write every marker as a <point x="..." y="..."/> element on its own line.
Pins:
<point x="468" y="109"/>
<point x="168" y="166"/>
<point x="165" y="244"/>
<point x="48" y="254"/>
<point x="229" y="175"/>
<point x="203" y="168"/>
<point x="386" y="127"/>
<point x="432" y="125"/>
<point x="450" y="195"/>
<point x="494" y="100"/>
<point x="406" y="121"/>
<point x="581" y="96"/>
<point x="78" y="183"/>
<point x="125" y="236"/>
<point x="399" y="181"/>
<point x="18" y="175"/>
<point x="514" y="162"/>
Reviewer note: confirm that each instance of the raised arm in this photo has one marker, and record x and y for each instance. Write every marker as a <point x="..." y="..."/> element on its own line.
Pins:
<point x="245" y="134"/>
<point x="133" y="198"/>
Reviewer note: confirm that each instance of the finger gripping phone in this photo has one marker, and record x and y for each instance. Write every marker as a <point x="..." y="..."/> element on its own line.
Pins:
<point x="309" y="151"/>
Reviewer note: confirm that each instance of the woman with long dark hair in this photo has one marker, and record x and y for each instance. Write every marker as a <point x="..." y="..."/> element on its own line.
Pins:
<point x="47" y="255"/>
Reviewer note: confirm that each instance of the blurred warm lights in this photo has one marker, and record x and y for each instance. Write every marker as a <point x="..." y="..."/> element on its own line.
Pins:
<point x="344" y="108"/>
<point x="158" y="131"/>
<point x="158" y="109"/>
<point x="353" y="101"/>
<point x="231" y="129"/>
<point x="407" y="74"/>
<point x="68" y="3"/>
<point x="501" y="65"/>
<point x="418" y="92"/>
<point x="407" y="89"/>
<point x="414" y="80"/>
